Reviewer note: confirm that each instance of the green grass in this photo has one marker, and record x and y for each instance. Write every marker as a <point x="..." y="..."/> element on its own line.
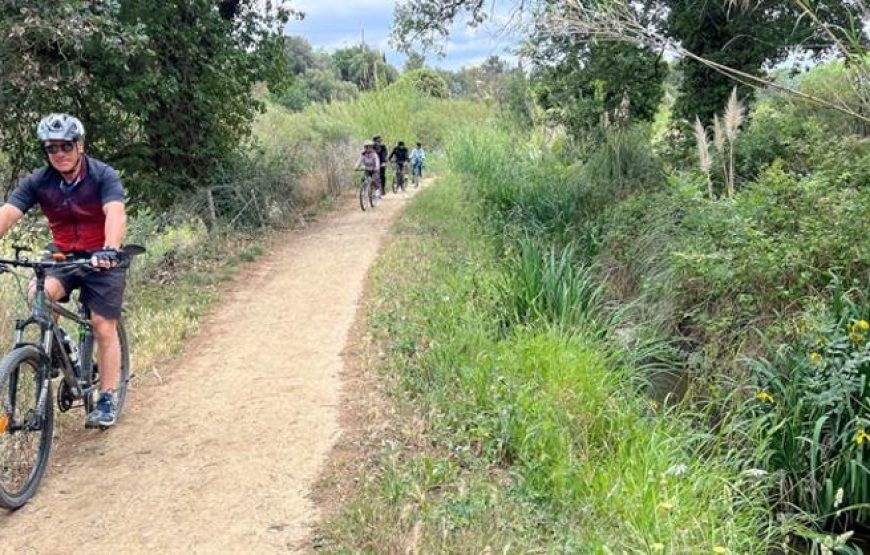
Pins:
<point x="529" y="437"/>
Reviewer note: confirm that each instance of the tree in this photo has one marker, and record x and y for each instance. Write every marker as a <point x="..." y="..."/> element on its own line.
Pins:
<point x="195" y="82"/>
<point x="50" y="53"/>
<point x="415" y="61"/>
<point x="428" y="82"/>
<point x="493" y="65"/>
<point x="724" y="41"/>
<point x="426" y="22"/>
<point x="164" y="89"/>
<point x="300" y="55"/>
<point x="364" y="66"/>
<point x="594" y="78"/>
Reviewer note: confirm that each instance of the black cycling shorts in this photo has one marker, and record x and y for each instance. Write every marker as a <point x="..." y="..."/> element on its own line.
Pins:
<point x="102" y="290"/>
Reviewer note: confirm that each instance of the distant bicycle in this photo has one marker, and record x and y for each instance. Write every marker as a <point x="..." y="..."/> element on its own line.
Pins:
<point x="416" y="173"/>
<point x="399" y="179"/>
<point x="42" y="352"/>
<point x="367" y="190"/>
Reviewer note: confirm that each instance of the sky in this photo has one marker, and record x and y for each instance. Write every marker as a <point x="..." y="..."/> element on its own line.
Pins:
<point x="331" y="25"/>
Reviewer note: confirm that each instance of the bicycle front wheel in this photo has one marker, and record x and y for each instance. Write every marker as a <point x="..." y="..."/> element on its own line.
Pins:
<point x="364" y="190"/>
<point x="26" y="425"/>
<point x="123" y="375"/>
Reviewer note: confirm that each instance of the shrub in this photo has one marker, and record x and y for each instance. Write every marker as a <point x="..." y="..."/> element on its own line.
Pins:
<point x="428" y="82"/>
<point x="811" y="411"/>
<point x="624" y="163"/>
<point x="544" y="285"/>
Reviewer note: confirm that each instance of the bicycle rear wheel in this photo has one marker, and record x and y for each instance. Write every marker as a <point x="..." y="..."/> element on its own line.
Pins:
<point x="123" y="376"/>
<point x="25" y="435"/>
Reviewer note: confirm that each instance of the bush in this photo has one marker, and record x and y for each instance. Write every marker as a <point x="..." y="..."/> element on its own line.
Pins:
<point x="428" y="82"/>
<point x="623" y="164"/>
<point x="520" y="188"/>
<point x="811" y="411"/>
<point x="543" y="285"/>
<point x="770" y="250"/>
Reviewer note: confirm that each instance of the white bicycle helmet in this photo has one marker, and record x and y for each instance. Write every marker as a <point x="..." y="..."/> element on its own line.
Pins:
<point x="60" y="127"/>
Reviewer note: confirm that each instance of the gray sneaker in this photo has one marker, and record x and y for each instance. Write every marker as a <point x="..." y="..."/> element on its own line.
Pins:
<point x="103" y="415"/>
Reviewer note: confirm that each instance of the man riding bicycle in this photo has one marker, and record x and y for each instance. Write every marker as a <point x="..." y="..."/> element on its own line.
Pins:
<point x="381" y="150"/>
<point x="418" y="157"/>
<point x="83" y="200"/>
<point x="399" y="155"/>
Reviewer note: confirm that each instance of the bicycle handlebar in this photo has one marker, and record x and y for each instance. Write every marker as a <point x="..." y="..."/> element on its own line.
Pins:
<point x="126" y="252"/>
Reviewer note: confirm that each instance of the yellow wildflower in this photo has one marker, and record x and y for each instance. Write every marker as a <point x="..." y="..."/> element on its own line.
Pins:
<point x="863" y="325"/>
<point x="816" y="358"/>
<point x="861" y="436"/>
<point x="719" y="549"/>
<point x="764" y="397"/>
<point x="666" y="505"/>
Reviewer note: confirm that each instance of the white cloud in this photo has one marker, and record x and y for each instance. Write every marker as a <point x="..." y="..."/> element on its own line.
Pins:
<point x="339" y="9"/>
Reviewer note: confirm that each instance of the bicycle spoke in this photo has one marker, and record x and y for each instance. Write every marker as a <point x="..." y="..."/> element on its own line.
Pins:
<point x="22" y="432"/>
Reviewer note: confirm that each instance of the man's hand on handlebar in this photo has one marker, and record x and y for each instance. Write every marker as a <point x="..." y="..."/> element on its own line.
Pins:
<point x="107" y="257"/>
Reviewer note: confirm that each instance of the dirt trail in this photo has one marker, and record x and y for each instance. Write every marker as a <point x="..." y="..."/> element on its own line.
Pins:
<point x="220" y="456"/>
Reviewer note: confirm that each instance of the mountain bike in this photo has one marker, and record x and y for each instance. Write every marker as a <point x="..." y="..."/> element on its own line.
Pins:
<point x="44" y="353"/>
<point x="416" y="172"/>
<point x="367" y="191"/>
<point x="399" y="179"/>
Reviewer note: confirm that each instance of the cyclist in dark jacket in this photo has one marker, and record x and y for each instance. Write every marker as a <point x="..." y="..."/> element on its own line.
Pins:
<point x="400" y="156"/>
<point x="83" y="200"/>
<point x="381" y="149"/>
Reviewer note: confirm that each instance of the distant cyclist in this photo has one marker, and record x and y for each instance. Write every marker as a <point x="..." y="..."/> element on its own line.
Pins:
<point x="399" y="155"/>
<point x="370" y="163"/>
<point x="418" y="158"/>
<point x="381" y="150"/>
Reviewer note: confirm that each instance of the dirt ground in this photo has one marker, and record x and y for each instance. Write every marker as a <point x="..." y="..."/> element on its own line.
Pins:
<point x="222" y="454"/>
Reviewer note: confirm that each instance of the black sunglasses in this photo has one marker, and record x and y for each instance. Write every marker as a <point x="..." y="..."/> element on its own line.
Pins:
<point x="67" y="146"/>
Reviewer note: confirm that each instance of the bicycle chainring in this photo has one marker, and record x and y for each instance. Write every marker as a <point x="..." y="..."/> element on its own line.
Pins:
<point x="65" y="398"/>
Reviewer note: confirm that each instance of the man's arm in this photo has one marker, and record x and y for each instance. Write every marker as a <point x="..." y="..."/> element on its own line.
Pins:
<point x="116" y="223"/>
<point x="9" y="215"/>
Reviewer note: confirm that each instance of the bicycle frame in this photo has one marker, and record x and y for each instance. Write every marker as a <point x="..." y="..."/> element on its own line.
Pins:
<point x="41" y="311"/>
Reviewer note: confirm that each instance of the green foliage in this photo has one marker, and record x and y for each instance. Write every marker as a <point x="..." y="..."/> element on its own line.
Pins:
<point x="415" y="61"/>
<point x="622" y="164"/>
<point x="517" y="100"/>
<point x="163" y="90"/>
<point x="518" y="185"/>
<point x="412" y="117"/>
<point x="364" y="66"/>
<point x="535" y="439"/>
<point x="773" y="247"/>
<point x="811" y="411"/>
<point x="49" y="55"/>
<point x="544" y="286"/>
<point x="595" y="78"/>
<point x="743" y="39"/>
<point x="428" y="82"/>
